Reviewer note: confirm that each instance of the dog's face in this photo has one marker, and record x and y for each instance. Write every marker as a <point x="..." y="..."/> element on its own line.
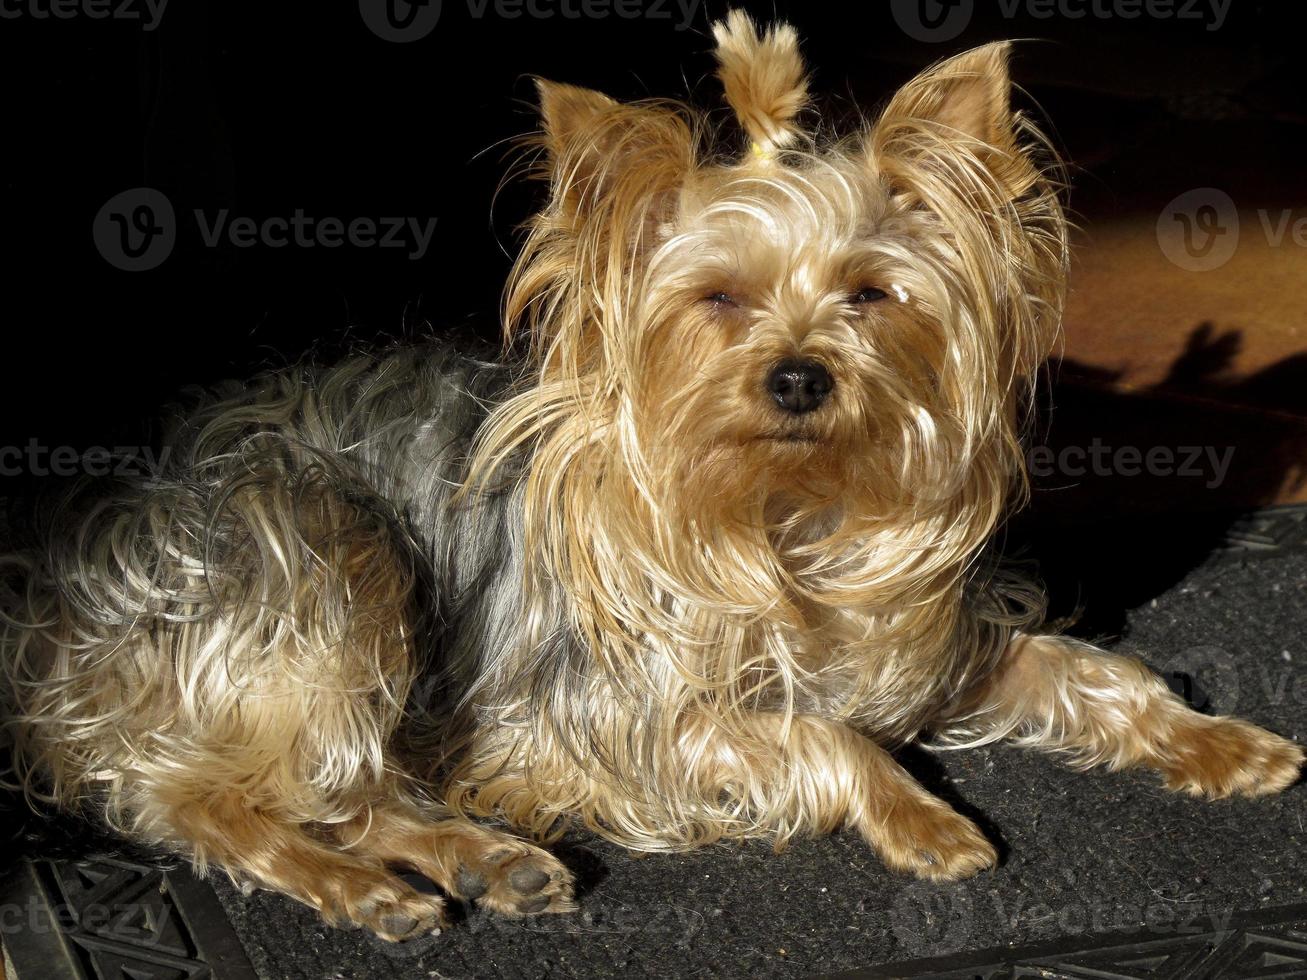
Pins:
<point x="846" y="325"/>
<point x="797" y="332"/>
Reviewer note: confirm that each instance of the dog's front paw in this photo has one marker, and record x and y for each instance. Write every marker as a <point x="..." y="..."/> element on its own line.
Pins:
<point x="515" y="879"/>
<point x="390" y="908"/>
<point x="931" y="840"/>
<point x="1219" y="757"/>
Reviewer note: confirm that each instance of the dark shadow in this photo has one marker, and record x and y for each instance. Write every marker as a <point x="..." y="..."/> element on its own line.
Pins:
<point x="1133" y="489"/>
<point x="587" y="867"/>
<point x="926" y="768"/>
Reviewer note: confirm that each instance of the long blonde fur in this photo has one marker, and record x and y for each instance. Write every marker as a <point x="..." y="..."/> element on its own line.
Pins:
<point x="619" y="580"/>
<point x="705" y="580"/>
<point x="763" y="79"/>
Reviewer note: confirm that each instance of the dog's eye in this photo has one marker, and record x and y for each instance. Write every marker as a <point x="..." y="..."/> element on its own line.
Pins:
<point x="868" y="294"/>
<point x="721" y="299"/>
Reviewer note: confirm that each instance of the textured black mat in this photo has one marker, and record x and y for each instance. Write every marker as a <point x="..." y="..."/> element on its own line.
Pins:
<point x="1086" y="857"/>
<point x="112" y="918"/>
<point x="1269" y="944"/>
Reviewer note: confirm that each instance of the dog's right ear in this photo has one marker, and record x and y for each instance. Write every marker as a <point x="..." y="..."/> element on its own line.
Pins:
<point x="600" y="150"/>
<point x="569" y="110"/>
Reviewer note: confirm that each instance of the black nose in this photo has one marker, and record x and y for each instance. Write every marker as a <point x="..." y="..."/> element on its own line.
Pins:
<point x="799" y="386"/>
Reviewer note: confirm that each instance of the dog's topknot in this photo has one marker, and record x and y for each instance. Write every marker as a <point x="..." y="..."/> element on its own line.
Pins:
<point x="764" y="78"/>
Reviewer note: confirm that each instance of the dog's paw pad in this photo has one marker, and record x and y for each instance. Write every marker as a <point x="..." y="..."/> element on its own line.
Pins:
<point x="528" y="880"/>
<point x="522" y="880"/>
<point x="470" y="885"/>
<point x="399" y="925"/>
<point x="530" y="906"/>
<point x="396" y="912"/>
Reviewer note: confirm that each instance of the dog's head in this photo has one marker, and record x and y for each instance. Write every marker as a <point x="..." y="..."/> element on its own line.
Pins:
<point x="819" y="320"/>
<point x="799" y="330"/>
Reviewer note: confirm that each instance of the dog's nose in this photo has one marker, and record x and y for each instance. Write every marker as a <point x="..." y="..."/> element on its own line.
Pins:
<point x="799" y="386"/>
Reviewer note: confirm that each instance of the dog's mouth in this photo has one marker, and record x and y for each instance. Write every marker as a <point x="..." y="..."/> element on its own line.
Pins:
<point x="792" y="438"/>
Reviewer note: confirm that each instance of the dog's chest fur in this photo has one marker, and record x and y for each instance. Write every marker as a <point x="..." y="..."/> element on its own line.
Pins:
<point x="407" y="423"/>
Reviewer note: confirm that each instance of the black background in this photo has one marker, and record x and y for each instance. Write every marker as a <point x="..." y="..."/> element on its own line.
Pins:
<point x="265" y="108"/>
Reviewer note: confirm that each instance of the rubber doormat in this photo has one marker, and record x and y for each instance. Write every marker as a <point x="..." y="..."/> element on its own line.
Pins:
<point x="1270" y="944"/>
<point x="105" y="918"/>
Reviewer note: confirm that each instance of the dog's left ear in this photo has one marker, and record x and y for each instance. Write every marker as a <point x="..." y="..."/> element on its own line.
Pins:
<point x="956" y="114"/>
<point x="967" y="96"/>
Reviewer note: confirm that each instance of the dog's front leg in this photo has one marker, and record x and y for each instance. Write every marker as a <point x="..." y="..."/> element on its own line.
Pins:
<point x="1061" y="695"/>
<point x="813" y="774"/>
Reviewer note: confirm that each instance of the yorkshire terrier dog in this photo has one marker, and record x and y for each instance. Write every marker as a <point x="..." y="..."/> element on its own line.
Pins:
<point x="708" y="545"/>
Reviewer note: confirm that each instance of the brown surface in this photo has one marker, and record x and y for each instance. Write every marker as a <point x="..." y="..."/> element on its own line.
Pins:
<point x="1132" y="311"/>
<point x="1202" y="358"/>
<point x="1159" y="355"/>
